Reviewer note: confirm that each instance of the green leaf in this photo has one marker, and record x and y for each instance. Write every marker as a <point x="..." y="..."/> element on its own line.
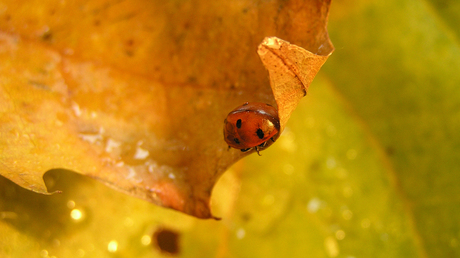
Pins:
<point x="396" y="64"/>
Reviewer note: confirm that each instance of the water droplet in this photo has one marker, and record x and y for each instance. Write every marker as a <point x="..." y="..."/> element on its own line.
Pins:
<point x="331" y="163"/>
<point x="128" y="222"/>
<point x="347" y="191"/>
<point x="91" y="138"/>
<point x="340" y="234"/>
<point x="365" y="223"/>
<point x="146" y="240"/>
<point x="81" y="253"/>
<point x="151" y="167"/>
<point x="56" y="242"/>
<point x="240" y="233"/>
<point x="384" y="237"/>
<point x="76" y="109"/>
<point x="288" y="169"/>
<point x="112" y="145"/>
<point x="131" y="173"/>
<point x="351" y="154"/>
<point x="314" y="205"/>
<point x="8" y="215"/>
<point x="331" y="246"/>
<point x="454" y="242"/>
<point x="112" y="246"/>
<point x="141" y="153"/>
<point x="70" y="204"/>
<point x="347" y="214"/>
<point x="44" y="253"/>
<point x="342" y="173"/>
<point x="68" y="51"/>
<point x="76" y="214"/>
<point x="287" y="142"/>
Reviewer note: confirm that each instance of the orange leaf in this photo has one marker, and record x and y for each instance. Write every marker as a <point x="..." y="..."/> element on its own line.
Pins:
<point x="134" y="93"/>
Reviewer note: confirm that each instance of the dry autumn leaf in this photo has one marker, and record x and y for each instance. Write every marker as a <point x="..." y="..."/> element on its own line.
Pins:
<point x="134" y="94"/>
<point x="291" y="69"/>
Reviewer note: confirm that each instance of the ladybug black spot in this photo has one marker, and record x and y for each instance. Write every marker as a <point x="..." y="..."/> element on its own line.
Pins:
<point x="238" y="123"/>
<point x="236" y="140"/>
<point x="260" y="133"/>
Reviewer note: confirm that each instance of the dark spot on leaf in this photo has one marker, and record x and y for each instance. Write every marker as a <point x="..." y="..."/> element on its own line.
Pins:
<point x="315" y="166"/>
<point x="238" y="123"/>
<point x="167" y="241"/>
<point x="130" y="42"/>
<point x="191" y="79"/>
<point x="390" y="151"/>
<point x="187" y="25"/>
<point x="245" y="217"/>
<point x="47" y="36"/>
<point x="260" y="133"/>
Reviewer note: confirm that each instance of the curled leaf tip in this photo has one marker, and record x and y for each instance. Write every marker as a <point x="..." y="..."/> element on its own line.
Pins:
<point x="291" y="69"/>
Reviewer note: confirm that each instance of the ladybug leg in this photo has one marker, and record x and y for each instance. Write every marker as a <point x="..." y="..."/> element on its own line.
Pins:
<point x="257" y="149"/>
<point x="245" y="150"/>
<point x="273" y="140"/>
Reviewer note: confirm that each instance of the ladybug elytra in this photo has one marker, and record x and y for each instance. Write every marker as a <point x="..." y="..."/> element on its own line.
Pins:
<point x="250" y="126"/>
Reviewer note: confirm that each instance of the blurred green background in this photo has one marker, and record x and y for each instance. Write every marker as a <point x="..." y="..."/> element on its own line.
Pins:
<point x="367" y="167"/>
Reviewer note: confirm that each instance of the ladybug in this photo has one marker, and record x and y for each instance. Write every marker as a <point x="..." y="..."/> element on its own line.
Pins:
<point x="250" y="126"/>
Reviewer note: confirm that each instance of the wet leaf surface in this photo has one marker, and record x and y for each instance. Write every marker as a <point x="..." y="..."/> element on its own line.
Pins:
<point x="134" y="94"/>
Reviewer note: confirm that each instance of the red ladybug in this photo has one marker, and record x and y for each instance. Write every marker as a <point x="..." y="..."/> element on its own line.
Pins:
<point x="251" y="125"/>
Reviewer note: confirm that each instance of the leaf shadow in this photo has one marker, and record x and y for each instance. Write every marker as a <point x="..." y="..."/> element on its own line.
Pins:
<point x="45" y="217"/>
